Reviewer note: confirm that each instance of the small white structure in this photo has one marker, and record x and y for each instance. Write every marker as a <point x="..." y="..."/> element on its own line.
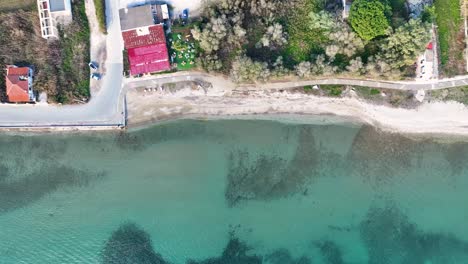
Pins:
<point x="346" y="8"/>
<point x="165" y="11"/>
<point x="52" y="13"/>
<point x="419" y="96"/>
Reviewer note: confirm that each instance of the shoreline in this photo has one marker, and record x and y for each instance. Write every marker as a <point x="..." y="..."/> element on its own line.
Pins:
<point x="285" y="118"/>
<point x="430" y="120"/>
<point x="299" y="119"/>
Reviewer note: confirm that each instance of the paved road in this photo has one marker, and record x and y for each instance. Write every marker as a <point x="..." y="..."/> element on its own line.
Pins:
<point x="107" y="106"/>
<point x="397" y="85"/>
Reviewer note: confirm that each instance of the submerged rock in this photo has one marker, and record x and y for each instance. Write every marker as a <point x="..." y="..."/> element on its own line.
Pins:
<point x="236" y="252"/>
<point x="283" y="256"/>
<point x="391" y="238"/>
<point x="130" y="245"/>
<point x="331" y="253"/>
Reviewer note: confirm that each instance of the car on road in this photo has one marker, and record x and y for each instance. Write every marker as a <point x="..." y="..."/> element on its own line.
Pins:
<point x="93" y="65"/>
<point x="96" y="76"/>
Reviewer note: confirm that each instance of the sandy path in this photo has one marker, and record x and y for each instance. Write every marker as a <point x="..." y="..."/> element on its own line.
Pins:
<point x="98" y="45"/>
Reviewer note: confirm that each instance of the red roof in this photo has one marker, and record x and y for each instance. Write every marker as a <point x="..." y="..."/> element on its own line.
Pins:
<point x="429" y="46"/>
<point x="151" y="58"/>
<point x="17" y="86"/>
<point x="132" y="39"/>
<point x="146" y="52"/>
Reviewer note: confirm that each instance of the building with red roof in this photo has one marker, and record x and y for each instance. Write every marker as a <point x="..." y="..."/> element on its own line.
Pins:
<point x="144" y="38"/>
<point x="19" y="84"/>
<point x="429" y="46"/>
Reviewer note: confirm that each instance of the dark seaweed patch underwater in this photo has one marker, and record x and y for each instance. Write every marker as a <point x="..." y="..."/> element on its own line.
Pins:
<point x="388" y="235"/>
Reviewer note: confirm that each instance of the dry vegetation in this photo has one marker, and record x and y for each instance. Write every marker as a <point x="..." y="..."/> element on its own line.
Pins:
<point x="451" y="36"/>
<point x="12" y="5"/>
<point x="60" y="66"/>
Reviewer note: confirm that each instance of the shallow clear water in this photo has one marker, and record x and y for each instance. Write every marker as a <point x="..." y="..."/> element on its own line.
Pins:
<point x="233" y="192"/>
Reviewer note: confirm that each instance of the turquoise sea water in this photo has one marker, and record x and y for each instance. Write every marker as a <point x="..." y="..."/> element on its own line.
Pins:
<point x="215" y="192"/>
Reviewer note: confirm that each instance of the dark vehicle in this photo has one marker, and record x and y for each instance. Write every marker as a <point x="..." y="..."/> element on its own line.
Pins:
<point x="93" y="65"/>
<point x="185" y="14"/>
<point x="96" y="76"/>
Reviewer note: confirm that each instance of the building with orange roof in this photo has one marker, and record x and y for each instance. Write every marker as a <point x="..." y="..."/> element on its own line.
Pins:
<point x="19" y="84"/>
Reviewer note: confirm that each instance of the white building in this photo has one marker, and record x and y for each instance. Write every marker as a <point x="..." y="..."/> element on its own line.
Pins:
<point x="52" y="13"/>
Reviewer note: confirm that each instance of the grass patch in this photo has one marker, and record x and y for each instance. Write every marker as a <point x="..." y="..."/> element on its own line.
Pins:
<point x="451" y="37"/>
<point x="100" y="6"/>
<point x="332" y="90"/>
<point x="457" y="94"/>
<point x="182" y="51"/>
<point x="367" y="92"/>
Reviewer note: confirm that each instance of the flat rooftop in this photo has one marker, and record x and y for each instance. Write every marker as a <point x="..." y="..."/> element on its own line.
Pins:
<point x="57" y="5"/>
<point x="135" y="17"/>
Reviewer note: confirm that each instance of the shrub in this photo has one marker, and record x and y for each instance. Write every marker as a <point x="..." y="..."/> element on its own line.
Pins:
<point x="100" y="6"/>
<point x="308" y="88"/>
<point x="374" y="91"/>
<point x="245" y="69"/>
<point x="332" y="90"/>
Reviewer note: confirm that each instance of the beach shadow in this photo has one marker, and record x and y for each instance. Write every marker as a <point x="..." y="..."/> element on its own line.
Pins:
<point x="31" y="188"/>
<point x="379" y="156"/>
<point x="179" y="130"/>
<point x="456" y="155"/>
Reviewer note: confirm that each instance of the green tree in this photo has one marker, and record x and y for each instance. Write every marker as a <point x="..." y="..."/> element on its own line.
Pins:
<point x="403" y="47"/>
<point x="322" y="20"/>
<point x="244" y="69"/>
<point x="429" y="14"/>
<point x="369" y="18"/>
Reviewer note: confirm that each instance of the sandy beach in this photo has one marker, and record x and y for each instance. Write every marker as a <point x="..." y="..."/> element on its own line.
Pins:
<point x="431" y="118"/>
